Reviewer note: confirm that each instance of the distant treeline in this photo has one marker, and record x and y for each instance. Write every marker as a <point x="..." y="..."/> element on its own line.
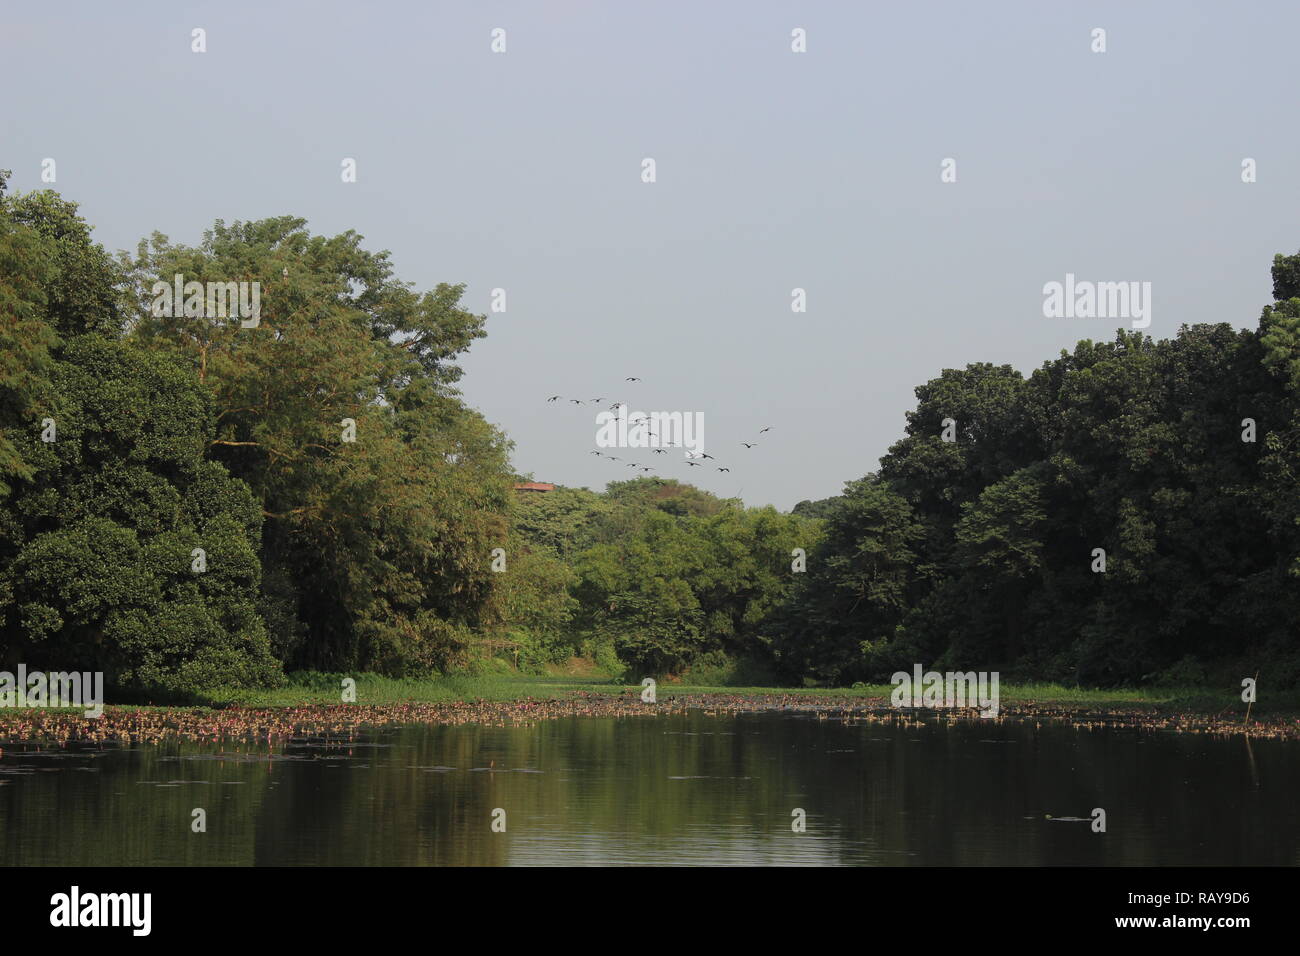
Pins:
<point x="189" y="500"/>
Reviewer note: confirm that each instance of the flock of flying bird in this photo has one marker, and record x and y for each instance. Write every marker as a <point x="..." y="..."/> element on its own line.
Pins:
<point x="690" y="459"/>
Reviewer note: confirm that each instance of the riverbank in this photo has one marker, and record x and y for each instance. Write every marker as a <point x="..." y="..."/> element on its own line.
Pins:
<point x="310" y="708"/>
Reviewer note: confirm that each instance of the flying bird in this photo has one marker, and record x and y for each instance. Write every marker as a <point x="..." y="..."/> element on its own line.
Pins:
<point x="554" y="398"/>
<point x="749" y="444"/>
<point x="724" y="469"/>
<point x="693" y="464"/>
<point x="631" y="378"/>
<point x="661" y="451"/>
<point x="767" y="429"/>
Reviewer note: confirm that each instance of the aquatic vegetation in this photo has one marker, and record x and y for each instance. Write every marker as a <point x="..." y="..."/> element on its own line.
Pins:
<point x="336" y="723"/>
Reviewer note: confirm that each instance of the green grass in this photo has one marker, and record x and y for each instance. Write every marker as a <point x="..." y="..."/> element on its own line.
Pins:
<point x="309" y="689"/>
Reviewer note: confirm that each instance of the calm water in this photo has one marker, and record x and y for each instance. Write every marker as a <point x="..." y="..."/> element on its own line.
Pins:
<point x="680" y="789"/>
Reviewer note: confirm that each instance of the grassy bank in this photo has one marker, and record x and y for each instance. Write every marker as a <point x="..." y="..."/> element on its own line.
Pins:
<point x="311" y="706"/>
<point x="321" y="689"/>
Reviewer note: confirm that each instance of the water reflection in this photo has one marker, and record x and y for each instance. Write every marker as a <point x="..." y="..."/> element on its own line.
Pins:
<point x="681" y="789"/>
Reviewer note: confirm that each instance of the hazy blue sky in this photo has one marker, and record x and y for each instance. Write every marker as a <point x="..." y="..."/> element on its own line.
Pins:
<point x="775" y="170"/>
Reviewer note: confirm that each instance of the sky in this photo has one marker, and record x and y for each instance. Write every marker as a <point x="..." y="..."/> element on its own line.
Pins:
<point x="774" y="170"/>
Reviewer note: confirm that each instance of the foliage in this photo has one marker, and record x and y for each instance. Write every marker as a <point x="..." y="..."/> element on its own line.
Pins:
<point x="676" y="574"/>
<point x="99" y="545"/>
<point x="379" y="547"/>
<point x="184" y="431"/>
<point x="978" y="553"/>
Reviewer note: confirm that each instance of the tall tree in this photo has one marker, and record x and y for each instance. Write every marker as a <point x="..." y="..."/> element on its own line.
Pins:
<point x="383" y="493"/>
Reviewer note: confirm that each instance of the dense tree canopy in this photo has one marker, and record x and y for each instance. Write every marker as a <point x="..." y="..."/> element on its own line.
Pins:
<point x="102" y="544"/>
<point x="109" y="493"/>
<point x="1175" y="458"/>
<point x="383" y="494"/>
<point x="189" y="497"/>
<point x="676" y="574"/>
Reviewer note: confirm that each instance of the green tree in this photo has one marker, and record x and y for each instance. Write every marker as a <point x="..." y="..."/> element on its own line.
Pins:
<point x="26" y="338"/>
<point x="378" y="546"/>
<point x="857" y="586"/>
<point x="99" y="546"/>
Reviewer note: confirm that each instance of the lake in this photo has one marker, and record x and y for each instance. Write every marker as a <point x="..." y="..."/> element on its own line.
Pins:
<point x="677" y="789"/>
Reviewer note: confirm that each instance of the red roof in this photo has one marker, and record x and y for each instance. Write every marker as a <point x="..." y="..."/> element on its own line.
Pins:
<point x="533" y="486"/>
